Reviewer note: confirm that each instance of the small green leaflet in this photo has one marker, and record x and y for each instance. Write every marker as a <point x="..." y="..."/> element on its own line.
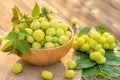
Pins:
<point x="101" y="29"/>
<point x="83" y="31"/>
<point x="90" y="72"/>
<point x="23" y="47"/>
<point x="111" y="58"/>
<point x="109" y="71"/>
<point x="18" y="52"/>
<point x="27" y="19"/>
<point x="17" y="11"/>
<point x="44" y="11"/>
<point x="8" y="46"/>
<point x="84" y="62"/>
<point x="36" y="11"/>
<point x="23" y="32"/>
<point x="16" y="15"/>
<point x="12" y="36"/>
<point x="15" y="20"/>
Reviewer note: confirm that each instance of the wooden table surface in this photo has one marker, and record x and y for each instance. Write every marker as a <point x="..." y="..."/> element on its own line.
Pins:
<point x="89" y="12"/>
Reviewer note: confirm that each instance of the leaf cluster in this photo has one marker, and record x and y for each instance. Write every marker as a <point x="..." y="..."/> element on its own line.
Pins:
<point x="15" y="44"/>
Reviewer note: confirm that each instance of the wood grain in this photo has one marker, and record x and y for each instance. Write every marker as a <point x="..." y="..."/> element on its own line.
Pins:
<point x="89" y="13"/>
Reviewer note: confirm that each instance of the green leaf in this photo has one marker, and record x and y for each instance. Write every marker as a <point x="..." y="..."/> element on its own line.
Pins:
<point x="82" y="60"/>
<point x="8" y="46"/>
<point x="44" y="12"/>
<point x="84" y="30"/>
<point x="111" y="58"/>
<point x="36" y="11"/>
<point x="18" y="52"/>
<point x="16" y="15"/>
<point x="101" y="29"/>
<point x="23" y="32"/>
<point x="12" y="36"/>
<point x="109" y="71"/>
<point x="17" y="11"/>
<point x="27" y="19"/>
<point x="23" y="47"/>
<point x="15" y="20"/>
<point x="90" y="72"/>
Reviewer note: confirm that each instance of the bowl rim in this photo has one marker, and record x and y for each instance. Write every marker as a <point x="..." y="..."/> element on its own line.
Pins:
<point x="71" y="29"/>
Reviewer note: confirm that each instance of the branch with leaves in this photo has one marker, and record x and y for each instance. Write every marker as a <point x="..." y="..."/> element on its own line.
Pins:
<point x="16" y="38"/>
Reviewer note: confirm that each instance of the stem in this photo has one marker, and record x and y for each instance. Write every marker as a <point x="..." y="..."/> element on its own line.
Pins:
<point x="47" y="17"/>
<point x="15" y="45"/>
<point x="14" y="48"/>
<point x="98" y="68"/>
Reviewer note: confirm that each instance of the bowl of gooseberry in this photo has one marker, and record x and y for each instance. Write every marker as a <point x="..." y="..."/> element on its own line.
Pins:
<point x="40" y="39"/>
<point x="54" y="45"/>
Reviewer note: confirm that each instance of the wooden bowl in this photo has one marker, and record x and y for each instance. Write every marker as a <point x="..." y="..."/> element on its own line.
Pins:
<point x="48" y="56"/>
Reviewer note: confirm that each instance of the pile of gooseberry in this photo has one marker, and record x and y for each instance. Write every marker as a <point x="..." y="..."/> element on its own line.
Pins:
<point x="95" y="45"/>
<point x="45" y="34"/>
